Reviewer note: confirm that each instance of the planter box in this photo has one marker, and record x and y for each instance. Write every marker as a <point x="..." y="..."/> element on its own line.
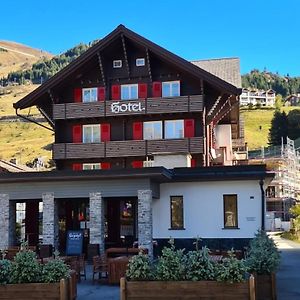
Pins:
<point x="63" y="290"/>
<point x="159" y="290"/>
<point x="265" y="287"/>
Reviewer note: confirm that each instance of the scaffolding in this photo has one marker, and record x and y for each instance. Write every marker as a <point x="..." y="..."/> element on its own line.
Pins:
<point x="284" y="190"/>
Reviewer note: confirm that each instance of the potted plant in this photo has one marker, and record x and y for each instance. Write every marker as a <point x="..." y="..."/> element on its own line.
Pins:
<point x="263" y="260"/>
<point x="179" y="275"/>
<point x="25" y="274"/>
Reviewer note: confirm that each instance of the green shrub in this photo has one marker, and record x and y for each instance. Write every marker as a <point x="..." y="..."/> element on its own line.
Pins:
<point x="231" y="269"/>
<point x="199" y="265"/>
<point x="5" y="269"/>
<point x="139" y="268"/>
<point x="25" y="268"/>
<point x="171" y="264"/>
<point x="263" y="256"/>
<point x="54" y="271"/>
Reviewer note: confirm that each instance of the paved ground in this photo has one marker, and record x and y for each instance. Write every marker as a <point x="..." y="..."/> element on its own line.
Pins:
<point x="288" y="277"/>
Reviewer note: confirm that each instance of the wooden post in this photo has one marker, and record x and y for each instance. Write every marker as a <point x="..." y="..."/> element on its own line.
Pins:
<point x="122" y="288"/>
<point x="252" y="287"/>
<point x="273" y="285"/>
<point x="63" y="289"/>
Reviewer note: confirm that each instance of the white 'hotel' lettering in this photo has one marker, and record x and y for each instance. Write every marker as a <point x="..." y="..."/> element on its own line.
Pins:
<point x="116" y="107"/>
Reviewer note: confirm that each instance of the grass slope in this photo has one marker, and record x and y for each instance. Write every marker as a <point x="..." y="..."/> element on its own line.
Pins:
<point x="257" y="125"/>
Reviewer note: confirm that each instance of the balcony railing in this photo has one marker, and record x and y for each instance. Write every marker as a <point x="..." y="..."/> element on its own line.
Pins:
<point x="128" y="148"/>
<point x="108" y="108"/>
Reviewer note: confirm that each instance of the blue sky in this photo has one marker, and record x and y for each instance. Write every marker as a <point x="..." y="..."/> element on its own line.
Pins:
<point x="263" y="33"/>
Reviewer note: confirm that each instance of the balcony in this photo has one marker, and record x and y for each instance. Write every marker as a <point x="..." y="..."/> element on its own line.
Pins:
<point x="127" y="148"/>
<point x="109" y="108"/>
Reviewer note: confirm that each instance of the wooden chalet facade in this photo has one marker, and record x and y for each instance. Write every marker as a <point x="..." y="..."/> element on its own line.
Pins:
<point x="137" y="132"/>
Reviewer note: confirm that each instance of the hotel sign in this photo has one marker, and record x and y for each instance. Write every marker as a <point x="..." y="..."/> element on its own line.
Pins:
<point x="121" y="107"/>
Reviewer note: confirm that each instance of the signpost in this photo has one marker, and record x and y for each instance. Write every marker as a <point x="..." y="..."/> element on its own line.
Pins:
<point x="74" y="242"/>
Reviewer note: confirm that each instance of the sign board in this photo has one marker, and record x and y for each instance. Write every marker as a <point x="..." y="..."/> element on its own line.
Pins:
<point x="74" y="242"/>
<point x="119" y="107"/>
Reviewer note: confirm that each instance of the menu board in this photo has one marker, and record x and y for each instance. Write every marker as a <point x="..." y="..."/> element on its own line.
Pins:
<point x="74" y="242"/>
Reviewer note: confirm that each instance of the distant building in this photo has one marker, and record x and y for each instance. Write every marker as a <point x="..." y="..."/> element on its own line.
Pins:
<point x="254" y="97"/>
<point x="292" y="100"/>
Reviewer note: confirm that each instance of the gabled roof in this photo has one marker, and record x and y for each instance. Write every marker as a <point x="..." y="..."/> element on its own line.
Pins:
<point x="227" y="69"/>
<point x="33" y="98"/>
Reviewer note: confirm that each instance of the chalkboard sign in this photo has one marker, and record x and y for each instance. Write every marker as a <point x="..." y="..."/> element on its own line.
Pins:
<point x="74" y="242"/>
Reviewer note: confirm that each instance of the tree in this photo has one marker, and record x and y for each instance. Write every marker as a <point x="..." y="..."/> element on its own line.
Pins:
<point x="279" y="128"/>
<point x="293" y="118"/>
<point x="278" y="102"/>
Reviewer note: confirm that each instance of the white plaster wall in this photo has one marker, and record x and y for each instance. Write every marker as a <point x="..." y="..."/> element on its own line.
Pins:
<point x="203" y="209"/>
<point x="224" y="139"/>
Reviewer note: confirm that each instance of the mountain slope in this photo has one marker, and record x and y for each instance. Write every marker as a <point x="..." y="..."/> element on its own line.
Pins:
<point x="15" y="56"/>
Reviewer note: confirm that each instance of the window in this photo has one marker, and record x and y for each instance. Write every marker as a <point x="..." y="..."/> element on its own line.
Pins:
<point x="95" y="166"/>
<point x="176" y="206"/>
<point x="174" y="129"/>
<point x="140" y="62"/>
<point x="152" y="130"/>
<point x="129" y="91"/>
<point x="89" y="95"/>
<point x="117" y="63"/>
<point x="91" y="133"/>
<point x="171" y="89"/>
<point x="230" y="211"/>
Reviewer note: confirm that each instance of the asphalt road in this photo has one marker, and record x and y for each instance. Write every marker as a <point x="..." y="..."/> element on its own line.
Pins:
<point x="288" y="275"/>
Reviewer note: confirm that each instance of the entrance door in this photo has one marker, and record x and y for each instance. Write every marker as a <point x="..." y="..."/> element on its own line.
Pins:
<point x="120" y="222"/>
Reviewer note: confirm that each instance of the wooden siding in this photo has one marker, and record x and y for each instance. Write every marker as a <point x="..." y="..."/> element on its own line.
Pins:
<point x="127" y="148"/>
<point x="193" y="103"/>
<point x="78" y="188"/>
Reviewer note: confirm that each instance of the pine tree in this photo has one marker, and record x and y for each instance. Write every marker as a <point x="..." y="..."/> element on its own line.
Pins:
<point x="279" y="128"/>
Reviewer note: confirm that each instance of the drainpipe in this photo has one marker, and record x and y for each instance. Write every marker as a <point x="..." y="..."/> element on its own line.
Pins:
<point x="261" y="184"/>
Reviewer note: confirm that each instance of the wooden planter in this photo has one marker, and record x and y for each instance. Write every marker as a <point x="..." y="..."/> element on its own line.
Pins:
<point x="265" y="287"/>
<point x="63" y="290"/>
<point x="160" y="290"/>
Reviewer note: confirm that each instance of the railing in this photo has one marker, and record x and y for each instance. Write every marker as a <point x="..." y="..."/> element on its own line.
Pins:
<point x="193" y="103"/>
<point x="127" y="148"/>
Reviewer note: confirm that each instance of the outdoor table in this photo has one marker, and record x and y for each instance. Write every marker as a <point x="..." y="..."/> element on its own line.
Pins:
<point x="117" y="268"/>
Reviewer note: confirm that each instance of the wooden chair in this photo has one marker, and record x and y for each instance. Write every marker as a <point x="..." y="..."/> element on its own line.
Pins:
<point x="73" y="263"/>
<point x="99" y="266"/>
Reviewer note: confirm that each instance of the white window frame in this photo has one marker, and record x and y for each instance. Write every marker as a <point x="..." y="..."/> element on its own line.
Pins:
<point x="140" y="62"/>
<point x="93" y="139"/>
<point x="129" y="93"/>
<point x="91" y="166"/>
<point x="171" y="88"/>
<point x="174" y="128"/>
<point x="90" y="96"/>
<point x="153" y="136"/>
<point x="117" y="64"/>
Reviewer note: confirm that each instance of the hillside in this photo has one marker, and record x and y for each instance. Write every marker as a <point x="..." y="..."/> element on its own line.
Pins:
<point x="14" y="57"/>
<point x="283" y="85"/>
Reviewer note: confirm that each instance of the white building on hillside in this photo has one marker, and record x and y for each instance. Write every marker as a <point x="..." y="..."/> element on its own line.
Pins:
<point x="264" y="98"/>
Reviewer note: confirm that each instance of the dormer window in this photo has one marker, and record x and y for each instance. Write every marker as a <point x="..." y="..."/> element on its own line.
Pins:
<point x="117" y="63"/>
<point x="89" y="95"/>
<point x="140" y="62"/>
<point x="171" y="89"/>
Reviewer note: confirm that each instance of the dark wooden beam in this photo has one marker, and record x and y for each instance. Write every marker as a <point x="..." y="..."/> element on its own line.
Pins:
<point x="51" y="96"/>
<point x="230" y="103"/>
<point x="125" y="54"/>
<point x="221" y="100"/>
<point x="101" y="68"/>
<point x="148" y="64"/>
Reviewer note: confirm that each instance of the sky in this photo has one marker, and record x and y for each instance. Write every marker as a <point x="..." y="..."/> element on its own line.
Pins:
<point x="264" y="34"/>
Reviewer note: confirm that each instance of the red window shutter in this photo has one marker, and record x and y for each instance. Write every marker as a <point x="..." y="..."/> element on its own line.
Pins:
<point x="137" y="131"/>
<point x="105" y="166"/>
<point x="137" y="164"/>
<point x="105" y="132"/>
<point x="101" y="93"/>
<point x="116" y="92"/>
<point x="189" y="128"/>
<point x="193" y="162"/>
<point x="77" y="134"/>
<point x="77" y="95"/>
<point x="77" y="167"/>
<point x="156" y="89"/>
<point x="142" y="90"/>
